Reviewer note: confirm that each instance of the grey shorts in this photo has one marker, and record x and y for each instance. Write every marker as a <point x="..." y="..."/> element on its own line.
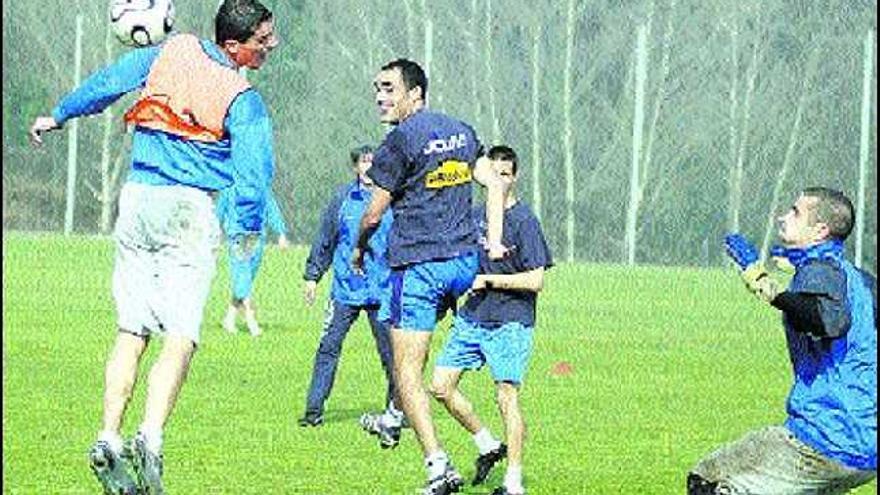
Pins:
<point x="167" y="240"/>
<point x="772" y="461"/>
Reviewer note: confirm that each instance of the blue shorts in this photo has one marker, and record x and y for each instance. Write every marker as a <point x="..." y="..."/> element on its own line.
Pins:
<point x="507" y="349"/>
<point x="244" y="271"/>
<point x="422" y="292"/>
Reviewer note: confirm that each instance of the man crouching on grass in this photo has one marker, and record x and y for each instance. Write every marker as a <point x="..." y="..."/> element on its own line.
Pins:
<point x="495" y="326"/>
<point x="828" y="443"/>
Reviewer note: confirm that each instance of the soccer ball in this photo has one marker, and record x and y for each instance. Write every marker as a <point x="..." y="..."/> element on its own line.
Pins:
<point x="141" y="22"/>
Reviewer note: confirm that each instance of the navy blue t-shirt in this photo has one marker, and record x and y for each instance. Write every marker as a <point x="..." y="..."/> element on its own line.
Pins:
<point x="528" y="251"/>
<point x="425" y="163"/>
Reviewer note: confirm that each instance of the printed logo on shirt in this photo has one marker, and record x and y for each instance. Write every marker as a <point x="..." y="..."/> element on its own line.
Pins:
<point x="452" y="143"/>
<point x="449" y="173"/>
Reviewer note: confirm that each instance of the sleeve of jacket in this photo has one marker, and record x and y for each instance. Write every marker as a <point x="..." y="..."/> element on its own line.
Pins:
<point x="224" y="210"/>
<point x="274" y="216"/>
<point x="321" y="255"/>
<point x="107" y="85"/>
<point x="252" y="161"/>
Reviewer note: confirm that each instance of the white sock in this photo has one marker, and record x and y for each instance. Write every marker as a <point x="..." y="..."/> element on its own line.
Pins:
<point x="513" y="479"/>
<point x="153" y="439"/>
<point x="113" y="439"/>
<point x="485" y="441"/>
<point x="436" y="464"/>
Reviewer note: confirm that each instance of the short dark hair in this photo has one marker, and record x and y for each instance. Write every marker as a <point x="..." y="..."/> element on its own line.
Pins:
<point x="834" y="209"/>
<point x="503" y="153"/>
<point x="357" y="152"/>
<point x="412" y="74"/>
<point x="239" y="19"/>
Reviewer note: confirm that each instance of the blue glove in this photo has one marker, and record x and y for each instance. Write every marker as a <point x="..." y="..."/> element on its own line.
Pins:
<point x="753" y="273"/>
<point x="740" y="250"/>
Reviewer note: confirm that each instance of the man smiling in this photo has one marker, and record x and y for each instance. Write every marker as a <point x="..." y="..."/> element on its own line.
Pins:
<point x="424" y="170"/>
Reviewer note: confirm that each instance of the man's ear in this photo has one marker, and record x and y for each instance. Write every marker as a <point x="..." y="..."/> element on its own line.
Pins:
<point x="231" y="46"/>
<point x="416" y="93"/>
<point x="823" y="231"/>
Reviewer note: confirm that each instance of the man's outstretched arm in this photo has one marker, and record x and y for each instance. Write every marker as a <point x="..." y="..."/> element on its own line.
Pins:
<point x="370" y="220"/>
<point x="532" y="281"/>
<point x="496" y="189"/>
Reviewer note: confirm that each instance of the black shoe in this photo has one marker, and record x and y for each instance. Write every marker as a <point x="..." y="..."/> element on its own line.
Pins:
<point x="448" y="482"/>
<point x="311" y="419"/>
<point x="147" y="467"/>
<point x="487" y="461"/>
<point x="109" y="468"/>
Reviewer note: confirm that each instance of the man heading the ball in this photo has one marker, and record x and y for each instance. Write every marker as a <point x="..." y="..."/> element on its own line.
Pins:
<point x="199" y="127"/>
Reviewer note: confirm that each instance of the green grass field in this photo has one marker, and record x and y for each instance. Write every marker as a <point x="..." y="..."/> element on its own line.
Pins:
<point x="668" y="363"/>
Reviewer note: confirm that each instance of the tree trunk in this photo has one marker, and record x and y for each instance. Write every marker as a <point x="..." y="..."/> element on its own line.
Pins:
<point x="536" y="119"/>
<point x="106" y="196"/>
<point x="659" y="98"/>
<point x="73" y="132"/>
<point x="738" y="171"/>
<point x="734" y="182"/>
<point x="490" y="79"/>
<point x="789" y="153"/>
<point x="864" y="143"/>
<point x="638" y="128"/>
<point x="410" y="29"/>
<point x="475" y="63"/>
<point x="567" y="134"/>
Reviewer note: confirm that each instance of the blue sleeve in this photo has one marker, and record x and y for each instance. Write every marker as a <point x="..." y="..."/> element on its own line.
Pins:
<point x="321" y="255"/>
<point x="274" y="217"/>
<point x="224" y="210"/>
<point x="390" y="163"/>
<point x="533" y="251"/>
<point x="107" y="85"/>
<point x="252" y="158"/>
<point x="827" y="283"/>
<point x="871" y="283"/>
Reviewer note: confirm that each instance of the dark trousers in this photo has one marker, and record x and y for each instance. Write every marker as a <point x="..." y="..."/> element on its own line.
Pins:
<point x="339" y="319"/>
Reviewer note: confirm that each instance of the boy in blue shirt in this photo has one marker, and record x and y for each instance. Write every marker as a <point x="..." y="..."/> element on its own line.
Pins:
<point x="424" y="169"/>
<point x="199" y="127"/>
<point x="351" y="292"/>
<point x="243" y="271"/>
<point x="828" y="443"/>
<point x="495" y="327"/>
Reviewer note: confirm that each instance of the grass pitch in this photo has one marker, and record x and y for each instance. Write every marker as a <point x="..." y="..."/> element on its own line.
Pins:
<point x="667" y="363"/>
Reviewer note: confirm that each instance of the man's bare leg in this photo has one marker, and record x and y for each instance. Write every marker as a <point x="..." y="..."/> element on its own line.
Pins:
<point x="444" y="387"/>
<point x="515" y="428"/>
<point x="120" y="376"/>
<point x="165" y="381"/>
<point x="410" y="353"/>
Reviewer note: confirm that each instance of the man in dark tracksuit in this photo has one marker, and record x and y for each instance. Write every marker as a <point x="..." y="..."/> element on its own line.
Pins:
<point x="351" y="293"/>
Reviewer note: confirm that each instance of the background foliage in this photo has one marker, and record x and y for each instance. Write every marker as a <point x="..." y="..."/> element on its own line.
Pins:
<point x="741" y="98"/>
